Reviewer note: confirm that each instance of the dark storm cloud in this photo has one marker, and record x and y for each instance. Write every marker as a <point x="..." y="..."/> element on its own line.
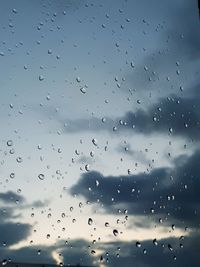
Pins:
<point x="119" y="253"/>
<point x="12" y="233"/>
<point x="155" y="256"/>
<point x="28" y="255"/>
<point x="173" y="193"/>
<point x="11" y="197"/>
<point x="180" y="116"/>
<point x="80" y="255"/>
<point x="170" y="115"/>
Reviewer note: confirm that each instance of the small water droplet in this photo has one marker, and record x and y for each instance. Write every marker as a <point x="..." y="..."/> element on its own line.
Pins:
<point x="41" y="77"/>
<point x="138" y="244"/>
<point x="94" y="141"/>
<point x="155" y="242"/>
<point x="19" y="159"/>
<point x="41" y="176"/>
<point x="87" y="167"/>
<point x="12" y="175"/>
<point x="83" y="90"/>
<point x="4" y="262"/>
<point x="90" y="221"/>
<point x="170" y="247"/>
<point x="115" y="232"/>
<point x="9" y="143"/>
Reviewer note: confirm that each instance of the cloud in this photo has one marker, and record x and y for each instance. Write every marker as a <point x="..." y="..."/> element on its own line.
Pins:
<point x="179" y="43"/>
<point x="112" y="254"/>
<point x="11" y="197"/>
<point x="171" y="193"/>
<point x="74" y="252"/>
<point x="126" y="253"/>
<point x="12" y="233"/>
<point x="171" y="115"/>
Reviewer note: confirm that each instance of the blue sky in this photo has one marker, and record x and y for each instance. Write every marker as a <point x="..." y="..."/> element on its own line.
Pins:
<point x="100" y="119"/>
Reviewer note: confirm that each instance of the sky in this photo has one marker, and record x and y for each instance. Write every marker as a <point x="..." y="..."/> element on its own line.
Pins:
<point x="100" y="129"/>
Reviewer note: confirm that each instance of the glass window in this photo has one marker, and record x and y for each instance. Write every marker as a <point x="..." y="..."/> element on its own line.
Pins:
<point x="99" y="136"/>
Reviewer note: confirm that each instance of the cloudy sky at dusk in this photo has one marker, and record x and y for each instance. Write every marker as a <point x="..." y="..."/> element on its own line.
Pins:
<point x="100" y="129"/>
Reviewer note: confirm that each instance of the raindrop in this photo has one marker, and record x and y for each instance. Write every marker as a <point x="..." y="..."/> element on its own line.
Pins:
<point x="41" y="77"/>
<point x="92" y="154"/>
<point x="19" y="159"/>
<point x="103" y="120"/>
<point x="132" y="65"/>
<point x="90" y="221"/>
<point x="12" y="175"/>
<point x="41" y="176"/>
<point x="138" y="244"/>
<point x="155" y="242"/>
<point x="78" y="79"/>
<point x="83" y="90"/>
<point x="87" y="167"/>
<point x="4" y="262"/>
<point x="170" y="247"/>
<point x="77" y="152"/>
<point x="9" y="143"/>
<point x="48" y="236"/>
<point x="94" y="141"/>
<point x="115" y="232"/>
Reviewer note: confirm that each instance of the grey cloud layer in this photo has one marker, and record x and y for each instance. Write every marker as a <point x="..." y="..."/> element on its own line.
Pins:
<point x="170" y="192"/>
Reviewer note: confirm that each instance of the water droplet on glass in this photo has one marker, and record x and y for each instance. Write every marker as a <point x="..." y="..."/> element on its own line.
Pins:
<point x="12" y="175"/>
<point x="87" y="167"/>
<point x="48" y="236"/>
<point x="4" y="262"/>
<point x="138" y="244"/>
<point x="78" y="79"/>
<point x="9" y="143"/>
<point x="115" y="232"/>
<point x="155" y="242"/>
<point x="83" y="90"/>
<point x="19" y="159"/>
<point x="106" y="224"/>
<point x="94" y="141"/>
<point x="170" y="247"/>
<point x="41" y="77"/>
<point x="41" y="176"/>
<point x="90" y="221"/>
